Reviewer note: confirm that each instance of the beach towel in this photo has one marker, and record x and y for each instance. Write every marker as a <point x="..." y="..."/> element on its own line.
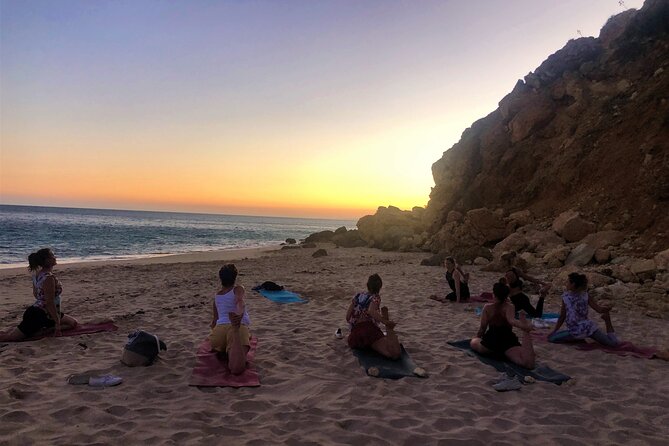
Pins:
<point x="541" y="372"/>
<point x="210" y="371"/>
<point x="622" y="349"/>
<point x="282" y="297"/>
<point x="80" y="330"/>
<point x="388" y="368"/>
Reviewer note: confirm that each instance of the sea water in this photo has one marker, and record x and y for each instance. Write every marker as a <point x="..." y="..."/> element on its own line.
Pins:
<point x="100" y="234"/>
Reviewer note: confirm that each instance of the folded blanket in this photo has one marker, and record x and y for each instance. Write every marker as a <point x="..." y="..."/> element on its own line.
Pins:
<point x="388" y="368"/>
<point x="80" y="330"/>
<point x="210" y="371"/>
<point x="541" y="372"/>
<point x="282" y="297"/>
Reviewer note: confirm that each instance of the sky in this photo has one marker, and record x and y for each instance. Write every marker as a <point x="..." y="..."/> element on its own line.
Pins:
<point x="288" y="108"/>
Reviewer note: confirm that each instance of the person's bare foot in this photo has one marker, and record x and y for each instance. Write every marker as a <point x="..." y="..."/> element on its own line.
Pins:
<point x="526" y="325"/>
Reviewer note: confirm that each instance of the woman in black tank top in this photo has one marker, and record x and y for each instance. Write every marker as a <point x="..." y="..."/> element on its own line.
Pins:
<point x="457" y="281"/>
<point x="495" y="335"/>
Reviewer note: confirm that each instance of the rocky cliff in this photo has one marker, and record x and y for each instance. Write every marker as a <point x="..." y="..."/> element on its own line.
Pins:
<point x="588" y="130"/>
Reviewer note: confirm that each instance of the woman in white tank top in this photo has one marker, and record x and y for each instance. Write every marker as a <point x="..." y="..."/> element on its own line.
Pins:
<point x="229" y="326"/>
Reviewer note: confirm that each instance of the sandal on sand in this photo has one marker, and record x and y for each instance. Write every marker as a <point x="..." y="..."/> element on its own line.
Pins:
<point x="105" y="381"/>
<point x="420" y="372"/>
<point x="94" y="381"/>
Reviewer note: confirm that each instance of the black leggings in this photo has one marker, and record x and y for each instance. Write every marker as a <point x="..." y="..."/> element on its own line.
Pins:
<point x="522" y="303"/>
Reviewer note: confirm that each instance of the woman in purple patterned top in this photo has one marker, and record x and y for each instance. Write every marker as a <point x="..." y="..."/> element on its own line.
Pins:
<point x="575" y="304"/>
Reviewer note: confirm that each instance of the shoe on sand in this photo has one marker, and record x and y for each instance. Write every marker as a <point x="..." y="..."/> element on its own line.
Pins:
<point x="79" y="378"/>
<point x="420" y="372"/>
<point x="373" y="371"/>
<point x="507" y="384"/>
<point x="105" y="381"/>
<point x="339" y="334"/>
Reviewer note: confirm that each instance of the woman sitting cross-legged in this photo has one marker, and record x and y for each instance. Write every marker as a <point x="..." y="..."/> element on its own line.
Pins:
<point x="496" y="336"/>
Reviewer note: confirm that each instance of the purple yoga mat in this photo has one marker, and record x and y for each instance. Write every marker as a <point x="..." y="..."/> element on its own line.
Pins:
<point x="623" y="349"/>
<point x="210" y="371"/>
<point x="80" y="330"/>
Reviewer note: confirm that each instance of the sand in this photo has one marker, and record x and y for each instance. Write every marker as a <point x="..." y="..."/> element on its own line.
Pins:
<point x="313" y="391"/>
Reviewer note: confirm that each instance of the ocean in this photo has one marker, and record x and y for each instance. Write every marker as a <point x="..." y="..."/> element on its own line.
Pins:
<point x="100" y="234"/>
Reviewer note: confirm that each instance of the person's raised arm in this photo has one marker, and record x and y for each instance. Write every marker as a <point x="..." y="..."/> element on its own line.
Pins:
<point x="484" y="323"/>
<point x="598" y="308"/>
<point x="49" y="288"/>
<point x="456" y="279"/>
<point x="214" y="315"/>
<point x="349" y="312"/>
<point x="239" y="299"/>
<point x="375" y="312"/>
<point x="510" y="315"/>
<point x="523" y="275"/>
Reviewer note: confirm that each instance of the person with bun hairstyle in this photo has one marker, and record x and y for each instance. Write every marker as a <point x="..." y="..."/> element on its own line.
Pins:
<point x="575" y="303"/>
<point x="496" y="336"/>
<point x="364" y="316"/>
<point x="230" y="323"/>
<point x="45" y="313"/>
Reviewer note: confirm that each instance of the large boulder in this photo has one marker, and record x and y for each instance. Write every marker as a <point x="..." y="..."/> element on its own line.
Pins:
<point x="604" y="239"/>
<point x="348" y="239"/>
<point x="319" y="237"/>
<point x="388" y="226"/>
<point x="487" y="225"/>
<point x="514" y="242"/>
<point x="570" y="226"/>
<point x="580" y="256"/>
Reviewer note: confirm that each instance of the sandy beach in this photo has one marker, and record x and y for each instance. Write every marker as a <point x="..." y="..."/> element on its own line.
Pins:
<point x="312" y="390"/>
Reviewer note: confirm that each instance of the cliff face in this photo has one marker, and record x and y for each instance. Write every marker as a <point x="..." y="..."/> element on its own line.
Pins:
<point x="588" y="130"/>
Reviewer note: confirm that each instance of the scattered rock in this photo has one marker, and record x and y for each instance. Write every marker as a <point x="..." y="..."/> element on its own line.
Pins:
<point x="290" y="241"/>
<point x="318" y="237"/>
<point x="319" y="253"/>
<point x="602" y="256"/>
<point x="481" y="261"/>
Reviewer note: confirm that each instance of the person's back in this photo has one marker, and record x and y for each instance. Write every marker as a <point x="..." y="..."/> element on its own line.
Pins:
<point x="227" y="303"/>
<point x="576" y="317"/>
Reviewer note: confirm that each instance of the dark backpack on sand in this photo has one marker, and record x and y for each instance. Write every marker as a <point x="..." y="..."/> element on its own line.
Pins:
<point x="142" y="349"/>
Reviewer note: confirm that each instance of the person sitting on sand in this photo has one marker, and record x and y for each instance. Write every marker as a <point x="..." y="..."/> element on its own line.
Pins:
<point x="575" y="302"/>
<point x="496" y="336"/>
<point x="457" y="280"/>
<point x="363" y="315"/>
<point x="229" y="326"/>
<point x="45" y="314"/>
<point x="520" y="300"/>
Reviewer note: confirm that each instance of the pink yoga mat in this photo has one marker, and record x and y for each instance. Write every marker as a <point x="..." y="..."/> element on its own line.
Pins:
<point x="483" y="297"/>
<point x="80" y="330"/>
<point x="623" y="349"/>
<point x="210" y="371"/>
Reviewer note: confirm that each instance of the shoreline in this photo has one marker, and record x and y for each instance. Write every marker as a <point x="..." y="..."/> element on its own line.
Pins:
<point x="185" y="257"/>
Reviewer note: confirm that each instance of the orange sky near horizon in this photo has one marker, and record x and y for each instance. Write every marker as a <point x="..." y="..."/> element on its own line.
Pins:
<point x="298" y="109"/>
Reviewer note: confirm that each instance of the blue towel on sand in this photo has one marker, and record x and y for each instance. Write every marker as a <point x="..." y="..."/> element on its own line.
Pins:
<point x="541" y="372"/>
<point x="388" y="368"/>
<point x="282" y="297"/>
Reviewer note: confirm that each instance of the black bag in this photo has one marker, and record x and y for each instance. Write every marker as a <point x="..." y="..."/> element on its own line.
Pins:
<point x="269" y="286"/>
<point x="142" y="349"/>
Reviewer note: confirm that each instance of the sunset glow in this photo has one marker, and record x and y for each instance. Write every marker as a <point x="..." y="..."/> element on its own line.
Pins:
<point x="261" y="108"/>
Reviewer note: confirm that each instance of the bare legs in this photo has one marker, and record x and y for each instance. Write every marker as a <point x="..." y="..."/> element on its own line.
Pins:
<point x="13" y="335"/>
<point x="389" y="345"/>
<point x="523" y="355"/>
<point x="237" y="351"/>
